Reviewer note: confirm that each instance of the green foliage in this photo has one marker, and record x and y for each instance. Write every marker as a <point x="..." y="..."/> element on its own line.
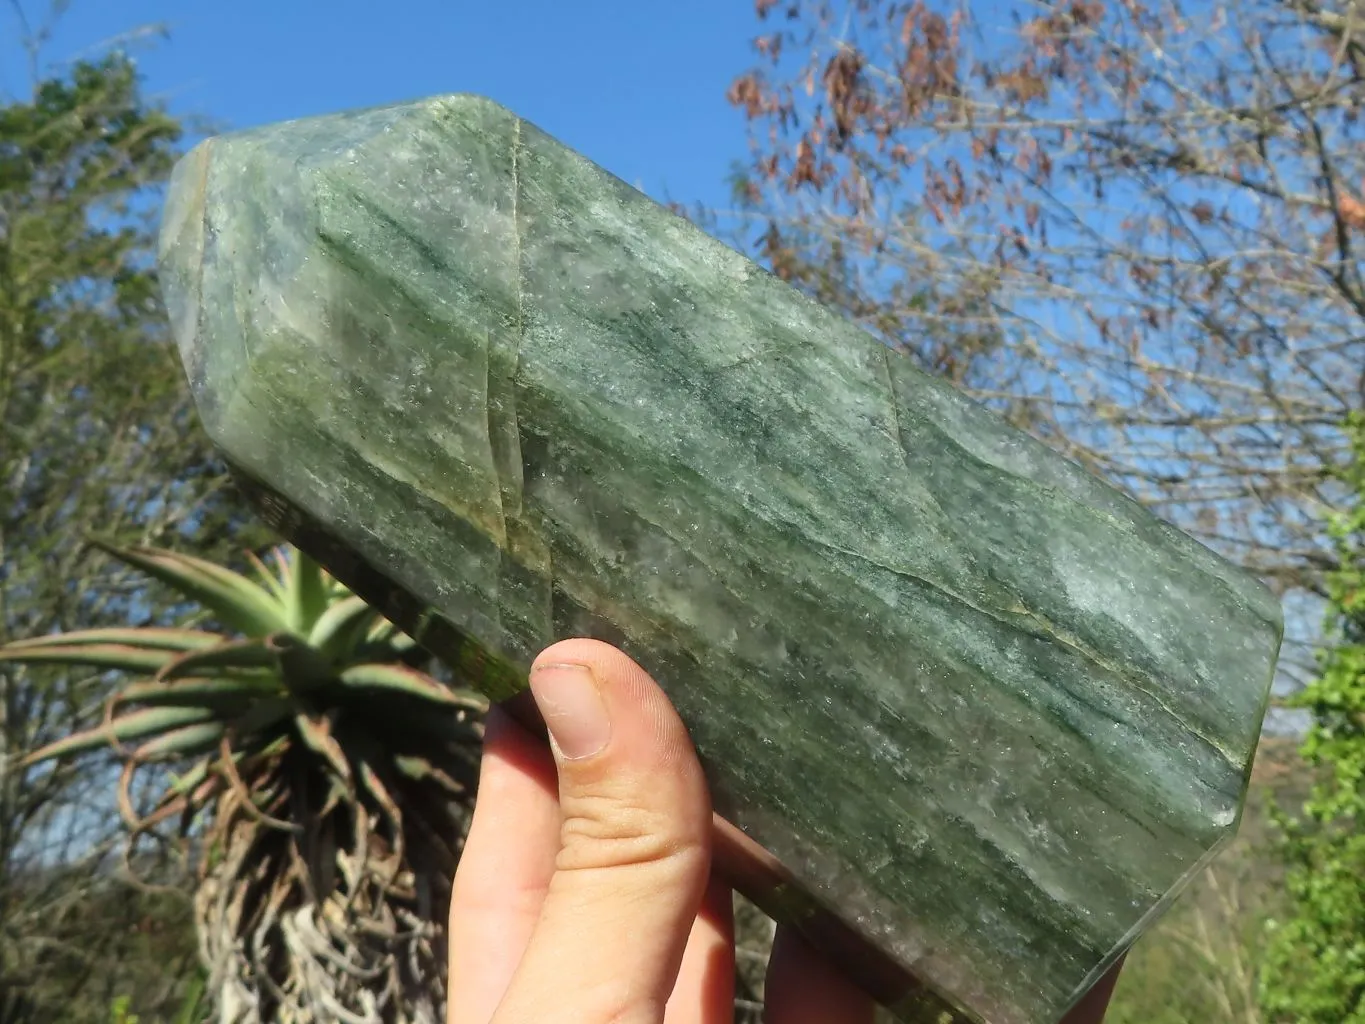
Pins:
<point x="82" y="353"/>
<point x="101" y="938"/>
<point x="96" y="434"/>
<point x="310" y="730"/>
<point x="312" y="652"/>
<point x="1315" y="970"/>
<point x="192" y="1007"/>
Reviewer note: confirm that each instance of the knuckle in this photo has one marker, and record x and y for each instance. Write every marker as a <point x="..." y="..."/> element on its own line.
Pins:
<point x="605" y="831"/>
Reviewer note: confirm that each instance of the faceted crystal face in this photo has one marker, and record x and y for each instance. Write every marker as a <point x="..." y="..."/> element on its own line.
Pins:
<point x="988" y="714"/>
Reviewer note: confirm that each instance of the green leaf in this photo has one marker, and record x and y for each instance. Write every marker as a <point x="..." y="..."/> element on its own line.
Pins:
<point x="307" y="598"/>
<point x="149" y="637"/>
<point x="200" y="770"/>
<point x="238" y="655"/>
<point x="186" y="741"/>
<point x="197" y="773"/>
<point x="283" y="568"/>
<point x="377" y="679"/>
<point x="231" y="693"/>
<point x="386" y="634"/>
<point x="401" y="642"/>
<point x="339" y="629"/>
<point x="192" y="1008"/>
<point x="371" y="780"/>
<point x="316" y="733"/>
<point x="419" y="769"/>
<point x="236" y="600"/>
<point x="106" y="656"/>
<point x="132" y="726"/>
<point x="267" y="578"/>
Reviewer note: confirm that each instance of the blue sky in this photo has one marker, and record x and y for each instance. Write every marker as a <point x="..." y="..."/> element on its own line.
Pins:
<point x="636" y="85"/>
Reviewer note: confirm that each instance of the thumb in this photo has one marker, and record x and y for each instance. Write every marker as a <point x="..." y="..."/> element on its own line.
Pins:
<point x="634" y="851"/>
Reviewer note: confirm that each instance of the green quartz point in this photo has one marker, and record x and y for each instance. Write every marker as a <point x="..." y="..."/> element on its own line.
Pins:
<point x="988" y="714"/>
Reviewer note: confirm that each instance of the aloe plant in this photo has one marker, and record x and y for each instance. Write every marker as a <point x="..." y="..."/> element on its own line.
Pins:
<point x="321" y="777"/>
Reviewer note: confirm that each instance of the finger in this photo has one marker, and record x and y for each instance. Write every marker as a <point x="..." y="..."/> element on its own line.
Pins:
<point x="504" y="870"/>
<point x="705" y="990"/>
<point x="804" y="988"/>
<point x="634" y="855"/>
<point x="1095" y="1003"/>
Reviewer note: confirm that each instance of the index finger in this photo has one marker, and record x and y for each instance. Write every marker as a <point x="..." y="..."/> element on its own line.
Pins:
<point x="505" y="868"/>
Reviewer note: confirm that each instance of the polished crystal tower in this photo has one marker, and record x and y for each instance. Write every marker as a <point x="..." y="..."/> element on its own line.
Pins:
<point x="987" y="714"/>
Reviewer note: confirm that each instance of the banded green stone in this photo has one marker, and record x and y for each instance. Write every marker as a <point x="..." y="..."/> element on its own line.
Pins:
<point x="988" y="713"/>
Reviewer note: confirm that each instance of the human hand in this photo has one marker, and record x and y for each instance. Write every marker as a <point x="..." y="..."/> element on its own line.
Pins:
<point x="591" y="899"/>
<point x="585" y="893"/>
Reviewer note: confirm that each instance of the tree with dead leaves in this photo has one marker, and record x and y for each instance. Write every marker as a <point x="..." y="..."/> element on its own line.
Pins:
<point x="1134" y="229"/>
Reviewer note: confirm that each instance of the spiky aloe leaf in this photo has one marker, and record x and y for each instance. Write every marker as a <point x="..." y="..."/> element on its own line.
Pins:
<point x="283" y="566"/>
<point x="154" y="638"/>
<point x="376" y="679"/>
<point x="236" y="600"/>
<point x="371" y="780"/>
<point x="316" y="733"/>
<point x="337" y="791"/>
<point x="384" y="633"/>
<point x="340" y="628"/>
<point x="266" y="577"/>
<point x="200" y="771"/>
<point x="197" y="773"/>
<point x="419" y="769"/>
<point x="307" y="596"/>
<point x="231" y="692"/>
<point x="134" y="725"/>
<point x="186" y="741"/>
<point x="192" y="1006"/>
<point x="122" y="657"/>
<point x="254" y="653"/>
<point x="381" y="631"/>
